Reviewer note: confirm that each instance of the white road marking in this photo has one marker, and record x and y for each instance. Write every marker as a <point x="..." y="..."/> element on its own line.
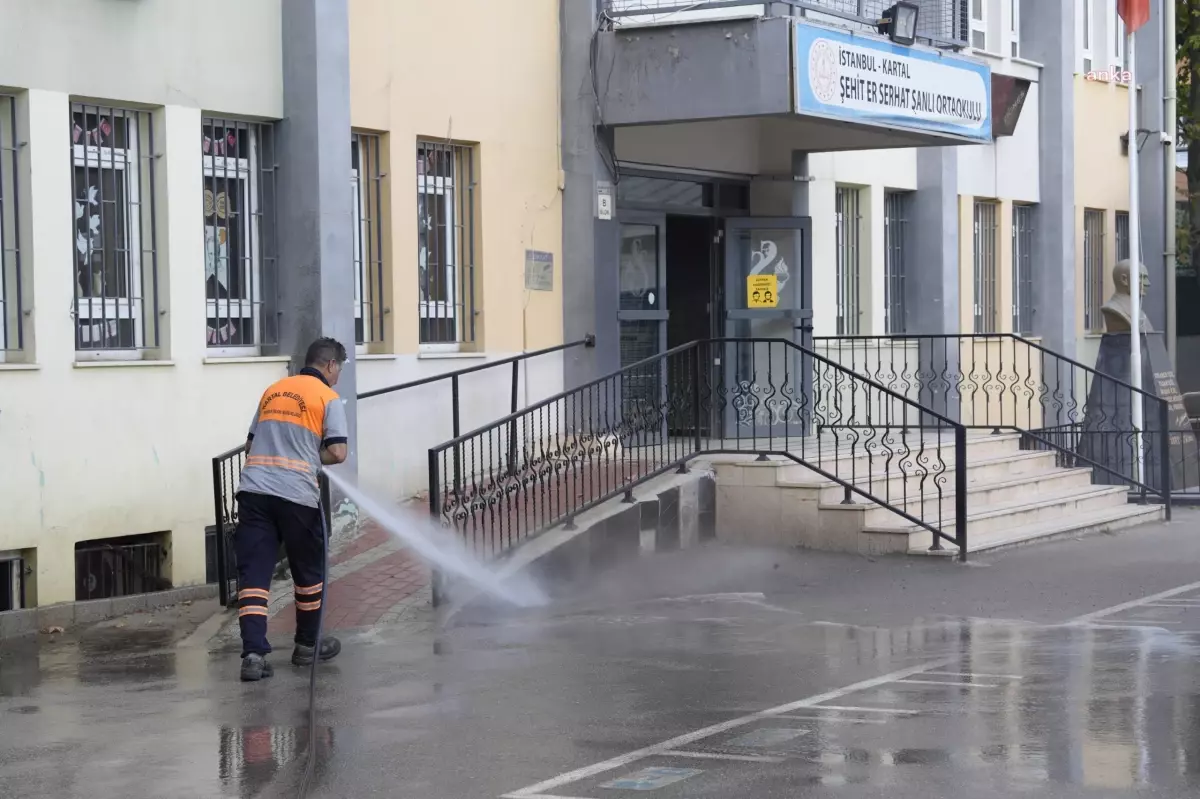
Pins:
<point x="1168" y="603"/>
<point x="891" y="711"/>
<point x="811" y="703"/>
<point x="719" y="756"/>
<point x="1099" y="614"/>
<point x="947" y="682"/>
<point x="833" y="719"/>
<point x="1133" y="623"/>
<point x="534" y="791"/>
<point x="973" y="675"/>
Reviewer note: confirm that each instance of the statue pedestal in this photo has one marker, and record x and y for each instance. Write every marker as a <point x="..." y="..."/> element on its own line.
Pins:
<point x="1107" y="437"/>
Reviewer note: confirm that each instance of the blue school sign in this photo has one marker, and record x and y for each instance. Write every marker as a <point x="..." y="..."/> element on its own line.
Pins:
<point x="863" y="79"/>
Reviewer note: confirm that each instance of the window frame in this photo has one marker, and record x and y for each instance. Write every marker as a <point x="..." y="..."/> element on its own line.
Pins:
<point x="986" y="314"/>
<point x="98" y="158"/>
<point x="848" y="199"/>
<point x="1014" y="28"/>
<point x="216" y="167"/>
<point x="1117" y="40"/>
<point x="978" y="24"/>
<point x="1086" y="37"/>
<point x="1023" y="251"/>
<point x="896" y="207"/>
<point x="12" y="291"/>
<point x="366" y="176"/>
<point x="454" y="199"/>
<point x="1093" y="271"/>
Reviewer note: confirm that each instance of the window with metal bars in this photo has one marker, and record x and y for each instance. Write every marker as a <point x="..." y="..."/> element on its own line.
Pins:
<point x="1093" y="269"/>
<point x="366" y="184"/>
<point x="240" y="256"/>
<point x="848" y="294"/>
<point x="446" y="241"/>
<point x="12" y="582"/>
<point x="1022" y="269"/>
<point x="115" y="238"/>
<point x="895" y="259"/>
<point x="12" y="288"/>
<point x="1122" y="231"/>
<point x="125" y="566"/>
<point x="986" y="319"/>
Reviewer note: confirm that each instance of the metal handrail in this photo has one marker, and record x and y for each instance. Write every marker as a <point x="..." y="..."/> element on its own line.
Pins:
<point x="586" y="443"/>
<point x="985" y="337"/>
<point x="1064" y="370"/>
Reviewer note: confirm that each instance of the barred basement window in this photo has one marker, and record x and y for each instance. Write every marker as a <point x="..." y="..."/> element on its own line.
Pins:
<point x="848" y="294"/>
<point x="114" y="567"/>
<point x="12" y="314"/>
<point x="12" y="581"/>
<point x="1122" y="235"/>
<point x="366" y="183"/>
<point x="446" y="243"/>
<point x="239" y="235"/>
<point x="1093" y="269"/>
<point x="895" y="258"/>
<point x="1022" y="269"/>
<point x="986" y="319"/>
<point x="116" y="257"/>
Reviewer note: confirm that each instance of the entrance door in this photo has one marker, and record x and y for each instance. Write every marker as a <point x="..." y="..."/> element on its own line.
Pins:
<point x="642" y="316"/>
<point x="768" y="298"/>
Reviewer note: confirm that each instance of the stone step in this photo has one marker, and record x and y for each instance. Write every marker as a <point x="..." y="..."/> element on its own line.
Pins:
<point x="847" y="462"/>
<point x="1074" y="525"/>
<point x="1008" y="516"/>
<point x="980" y="496"/>
<point x="883" y="484"/>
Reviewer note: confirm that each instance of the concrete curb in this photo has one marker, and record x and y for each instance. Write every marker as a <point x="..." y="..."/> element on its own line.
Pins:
<point x="673" y="511"/>
<point x="16" y="623"/>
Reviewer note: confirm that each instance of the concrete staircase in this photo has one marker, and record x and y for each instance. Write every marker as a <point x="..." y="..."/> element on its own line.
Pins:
<point x="1013" y="497"/>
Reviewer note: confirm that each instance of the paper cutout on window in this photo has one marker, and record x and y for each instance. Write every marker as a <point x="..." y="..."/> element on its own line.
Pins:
<point x="212" y="146"/>
<point x="95" y="135"/>
<point x="216" y="254"/>
<point x="94" y="333"/>
<point x="221" y="335"/>
<point x="88" y="242"/>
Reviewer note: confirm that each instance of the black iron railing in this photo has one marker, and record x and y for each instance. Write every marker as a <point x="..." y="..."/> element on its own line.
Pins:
<point x="226" y="472"/>
<point x="227" y="467"/>
<point x="544" y="465"/>
<point x="1004" y="382"/>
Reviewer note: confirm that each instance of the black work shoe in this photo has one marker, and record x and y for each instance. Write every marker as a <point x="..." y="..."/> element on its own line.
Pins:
<point x="303" y="655"/>
<point x="255" y="668"/>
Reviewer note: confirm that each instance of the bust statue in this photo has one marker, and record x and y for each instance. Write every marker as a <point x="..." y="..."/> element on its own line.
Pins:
<point x="1118" y="311"/>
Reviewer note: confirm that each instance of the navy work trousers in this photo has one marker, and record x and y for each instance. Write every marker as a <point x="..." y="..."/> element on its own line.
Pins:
<point x="264" y="521"/>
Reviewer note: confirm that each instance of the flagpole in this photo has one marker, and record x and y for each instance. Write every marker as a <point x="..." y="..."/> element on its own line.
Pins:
<point x="1135" y="265"/>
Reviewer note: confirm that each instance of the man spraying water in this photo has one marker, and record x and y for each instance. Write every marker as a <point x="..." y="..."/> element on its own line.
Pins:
<point x="299" y="426"/>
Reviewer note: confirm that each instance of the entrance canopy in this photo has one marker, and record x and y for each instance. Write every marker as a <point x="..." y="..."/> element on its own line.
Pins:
<point x="824" y="88"/>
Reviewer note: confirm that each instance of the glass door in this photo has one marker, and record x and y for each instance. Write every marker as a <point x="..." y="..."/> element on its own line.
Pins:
<point x="768" y="289"/>
<point x="642" y="317"/>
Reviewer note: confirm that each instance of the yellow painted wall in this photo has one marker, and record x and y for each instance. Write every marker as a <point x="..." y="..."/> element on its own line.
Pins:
<point x="486" y="79"/>
<point x="1101" y="181"/>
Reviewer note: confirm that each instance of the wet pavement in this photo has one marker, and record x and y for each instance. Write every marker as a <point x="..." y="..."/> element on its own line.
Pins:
<point x="1067" y="670"/>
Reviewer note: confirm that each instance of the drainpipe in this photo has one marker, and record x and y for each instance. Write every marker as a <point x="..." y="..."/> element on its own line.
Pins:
<point x="1170" y="101"/>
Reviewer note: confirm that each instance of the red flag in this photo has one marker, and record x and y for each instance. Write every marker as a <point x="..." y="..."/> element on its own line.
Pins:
<point x="1135" y="13"/>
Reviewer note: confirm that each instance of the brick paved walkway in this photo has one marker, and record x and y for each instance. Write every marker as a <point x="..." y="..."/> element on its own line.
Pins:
<point x="373" y="580"/>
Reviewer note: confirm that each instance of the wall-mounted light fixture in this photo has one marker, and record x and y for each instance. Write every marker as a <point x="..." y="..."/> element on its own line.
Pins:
<point x="899" y="23"/>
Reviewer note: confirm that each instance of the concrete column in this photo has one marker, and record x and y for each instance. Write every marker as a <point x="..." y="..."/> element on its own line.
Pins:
<point x="1048" y="36"/>
<point x="931" y="301"/>
<point x="316" y="270"/>
<point x="589" y="302"/>
<point x="1148" y="72"/>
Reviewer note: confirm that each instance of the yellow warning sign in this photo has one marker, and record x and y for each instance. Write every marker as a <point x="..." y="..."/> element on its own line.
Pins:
<point x="762" y="291"/>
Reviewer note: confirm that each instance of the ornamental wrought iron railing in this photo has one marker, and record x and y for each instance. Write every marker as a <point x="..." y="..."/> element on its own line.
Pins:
<point x="1002" y="382"/>
<point x="545" y="465"/>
